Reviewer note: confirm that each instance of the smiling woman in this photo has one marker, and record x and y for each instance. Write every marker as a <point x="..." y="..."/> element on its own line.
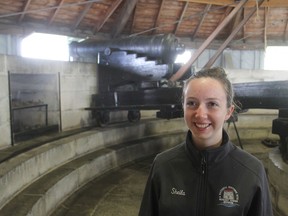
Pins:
<point x="204" y="175"/>
<point x="45" y="46"/>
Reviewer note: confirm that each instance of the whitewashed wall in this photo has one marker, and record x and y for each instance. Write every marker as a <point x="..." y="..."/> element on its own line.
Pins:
<point x="240" y="76"/>
<point x="5" y="135"/>
<point x="76" y="81"/>
<point x="10" y="44"/>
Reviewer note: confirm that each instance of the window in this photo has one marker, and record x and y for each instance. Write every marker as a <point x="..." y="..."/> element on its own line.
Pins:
<point x="184" y="57"/>
<point x="45" y="46"/>
<point x="276" y="58"/>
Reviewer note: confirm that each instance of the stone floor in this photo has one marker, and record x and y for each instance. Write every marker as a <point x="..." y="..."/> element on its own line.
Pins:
<point x="116" y="193"/>
<point x="121" y="190"/>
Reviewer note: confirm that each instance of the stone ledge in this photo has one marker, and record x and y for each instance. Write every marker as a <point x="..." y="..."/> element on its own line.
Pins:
<point x="278" y="175"/>
<point x="20" y="171"/>
<point x="45" y="194"/>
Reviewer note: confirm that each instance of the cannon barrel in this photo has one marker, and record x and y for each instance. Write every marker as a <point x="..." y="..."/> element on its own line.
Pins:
<point x="165" y="47"/>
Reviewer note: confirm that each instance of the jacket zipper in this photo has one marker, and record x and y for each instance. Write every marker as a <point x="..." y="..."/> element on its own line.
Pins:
<point x="203" y="186"/>
<point x="203" y="165"/>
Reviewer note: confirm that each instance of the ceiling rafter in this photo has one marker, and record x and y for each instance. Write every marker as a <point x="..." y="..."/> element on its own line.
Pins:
<point x="29" y="16"/>
<point x="236" y="21"/>
<point x="158" y="16"/>
<point x="24" y="10"/>
<point x="110" y="11"/>
<point x="202" y="18"/>
<point x="83" y="14"/>
<point x="285" y="36"/>
<point x="231" y="36"/>
<point x="250" y="3"/>
<point x="47" y="8"/>
<point x="181" y="17"/>
<point x="227" y="11"/>
<point x="245" y="34"/>
<point x="133" y="20"/>
<point x="124" y="15"/>
<point x="55" y="12"/>
<point x="206" y="43"/>
<point x="266" y="15"/>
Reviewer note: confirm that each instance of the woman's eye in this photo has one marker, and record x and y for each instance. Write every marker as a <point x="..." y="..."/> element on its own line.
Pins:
<point x="213" y="104"/>
<point x="191" y="103"/>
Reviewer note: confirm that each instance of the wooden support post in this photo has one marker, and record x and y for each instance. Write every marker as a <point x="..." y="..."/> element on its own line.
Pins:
<point x="206" y="43"/>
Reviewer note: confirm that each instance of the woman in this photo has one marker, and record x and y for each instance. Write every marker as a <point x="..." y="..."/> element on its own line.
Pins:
<point x="207" y="175"/>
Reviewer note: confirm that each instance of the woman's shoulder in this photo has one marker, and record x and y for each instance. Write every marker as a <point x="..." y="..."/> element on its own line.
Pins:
<point x="247" y="160"/>
<point x="170" y="154"/>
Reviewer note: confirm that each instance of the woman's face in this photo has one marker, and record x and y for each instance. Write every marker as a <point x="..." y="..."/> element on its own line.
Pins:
<point x="205" y="111"/>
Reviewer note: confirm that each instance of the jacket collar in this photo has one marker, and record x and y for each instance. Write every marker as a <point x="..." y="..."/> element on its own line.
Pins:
<point x="212" y="156"/>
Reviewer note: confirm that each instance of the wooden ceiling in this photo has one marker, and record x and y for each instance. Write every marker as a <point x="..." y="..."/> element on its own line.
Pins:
<point x="192" y="20"/>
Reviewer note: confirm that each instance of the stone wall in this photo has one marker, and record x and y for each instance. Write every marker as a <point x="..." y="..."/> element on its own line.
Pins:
<point x="5" y="135"/>
<point x="72" y="87"/>
<point x="75" y="83"/>
<point x="278" y="175"/>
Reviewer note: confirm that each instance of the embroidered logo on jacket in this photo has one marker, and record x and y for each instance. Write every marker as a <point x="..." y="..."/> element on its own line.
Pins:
<point x="174" y="191"/>
<point x="228" y="196"/>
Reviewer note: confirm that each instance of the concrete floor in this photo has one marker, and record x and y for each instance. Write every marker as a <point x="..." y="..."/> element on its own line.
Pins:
<point x="52" y="187"/>
<point x="116" y="193"/>
<point x="120" y="191"/>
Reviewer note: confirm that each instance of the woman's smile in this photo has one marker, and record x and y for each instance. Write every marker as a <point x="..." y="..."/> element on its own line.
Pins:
<point x="202" y="125"/>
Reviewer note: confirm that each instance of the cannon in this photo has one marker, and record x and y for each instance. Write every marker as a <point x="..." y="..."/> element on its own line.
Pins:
<point x="135" y="71"/>
<point x="150" y="57"/>
<point x="134" y="74"/>
<point x="158" y="46"/>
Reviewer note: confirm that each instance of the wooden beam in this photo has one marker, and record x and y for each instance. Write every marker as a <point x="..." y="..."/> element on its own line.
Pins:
<point x="82" y="15"/>
<point x="181" y="17"/>
<point x="133" y="20"/>
<point x="110" y="11"/>
<point x="285" y="37"/>
<point x="24" y="10"/>
<point x="158" y="16"/>
<point x="266" y="12"/>
<point x="250" y="3"/>
<point x="47" y="8"/>
<point x="207" y="8"/>
<point x="237" y="20"/>
<point x="227" y="11"/>
<point x="125" y="13"/>
<point x="56" y="12"/>
<point x="206" y="43"/>
<point x="231" y="36"/>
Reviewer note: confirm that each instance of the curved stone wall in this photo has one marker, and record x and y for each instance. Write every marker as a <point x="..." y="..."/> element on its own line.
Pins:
<point x="278" y="178"/>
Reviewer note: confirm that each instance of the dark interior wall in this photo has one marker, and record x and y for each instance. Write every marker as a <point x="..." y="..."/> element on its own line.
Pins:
<point x="31" y="94"/>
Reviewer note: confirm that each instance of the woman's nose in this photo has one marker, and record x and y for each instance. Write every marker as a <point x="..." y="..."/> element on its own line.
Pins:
<point x="201" y="111"/>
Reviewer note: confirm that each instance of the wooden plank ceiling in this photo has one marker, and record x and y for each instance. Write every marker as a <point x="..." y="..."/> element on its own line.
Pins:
<point x="194" y="20"/>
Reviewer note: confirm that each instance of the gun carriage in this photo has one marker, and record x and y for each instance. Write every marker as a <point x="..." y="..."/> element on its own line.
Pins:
<point x="134" y="75"/>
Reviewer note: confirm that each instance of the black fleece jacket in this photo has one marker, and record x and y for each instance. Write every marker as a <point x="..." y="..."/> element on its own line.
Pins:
<point x="224" y="181"/>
